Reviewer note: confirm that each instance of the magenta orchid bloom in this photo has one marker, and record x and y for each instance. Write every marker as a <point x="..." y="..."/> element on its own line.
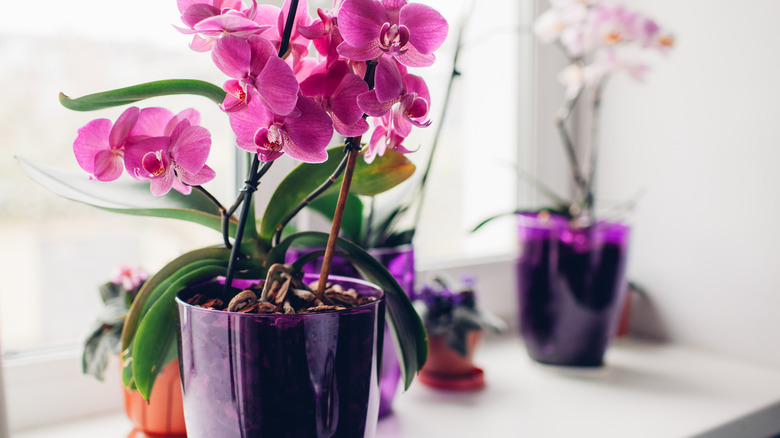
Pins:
<point x="209" y="21"/>
<point x="337" y="90"/>
<point x="408" y="32"/>
<point x="130" y="277"/>
<point x="176" y="161"/>
<point x="276" y="18"/>
<point x="100" y="145"/>
<point x="383" y="138"/>
<point x="303" y="135"/>
<point x="407" y="96"/>
<point x="325" y="36"/>
<point x="256" y="71"/>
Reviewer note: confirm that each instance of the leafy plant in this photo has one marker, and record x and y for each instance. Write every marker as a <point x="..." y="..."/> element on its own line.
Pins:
<point x="278" y="101"/>
<point x="452" y="314"/>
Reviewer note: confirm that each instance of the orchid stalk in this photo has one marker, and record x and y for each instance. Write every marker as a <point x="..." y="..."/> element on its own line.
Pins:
<point x="599" y="39"/>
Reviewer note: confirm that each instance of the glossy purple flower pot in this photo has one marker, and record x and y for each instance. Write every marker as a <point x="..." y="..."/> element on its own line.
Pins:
<point x="272" y="376"/>
<point x="571" y="286"/>
<point x="400" y="262"/>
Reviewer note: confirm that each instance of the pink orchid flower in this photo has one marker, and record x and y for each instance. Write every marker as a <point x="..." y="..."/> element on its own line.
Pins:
<point x="130" y="277"/>
<point x="325" y="35"/>
<point x="383" y="138"/>
<point x="337" y="90"/>
<point x="257" y="71"/>
<point x="177" y="161"/>
<point x="408" y="32"/>
<point x="303" y="135"/>
<point x="100" y="145"/>
<point x="276" y="18"/>
<point x="407" y="96"/>
<point x="209" y="21"/>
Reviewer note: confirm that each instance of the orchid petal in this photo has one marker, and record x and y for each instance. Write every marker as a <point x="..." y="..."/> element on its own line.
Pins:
<point x="372" y="106"/>
<point x="108" y="165"/>
<point x="205" y="175"/>
<point x="246" y="123"/>
<point x="232" y="56"/>
<point x="151" y="122"/>
<point x="190" y="149"/>
<point x="350" y="130"/>
<point x="91" y="139"/>
<point x="388" y="82"/>
<point x="122" y="127"/>
<point x="309" y="133"/>
<point x="277" y="86"/>
<point x="162" y="185"/>
<point x="362" y="53"/>
<point x="343" y="101"/>
<point x="360" y="21"/>
<point x="427" y="27"/>
<point x="413" y="58"/>
<point x="198" y="12"/>
<point x="135" y="153"/>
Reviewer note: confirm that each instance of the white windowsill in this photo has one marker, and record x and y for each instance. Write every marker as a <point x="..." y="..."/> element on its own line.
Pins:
<point x="646" y="390"/>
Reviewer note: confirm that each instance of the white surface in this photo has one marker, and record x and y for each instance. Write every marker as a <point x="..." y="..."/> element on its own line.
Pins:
<point x="700" y="137"/>
<point x="646" y="390"/>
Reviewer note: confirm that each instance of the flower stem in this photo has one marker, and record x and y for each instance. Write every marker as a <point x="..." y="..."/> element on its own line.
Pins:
<point x="309" y="199"/>
<point x="253" y="179"/>
<point x="353" y="147"/>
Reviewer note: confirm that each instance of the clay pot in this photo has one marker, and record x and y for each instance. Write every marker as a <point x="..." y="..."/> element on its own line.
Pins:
<point x="163" y="415"/>
<point x="447" y="369"/>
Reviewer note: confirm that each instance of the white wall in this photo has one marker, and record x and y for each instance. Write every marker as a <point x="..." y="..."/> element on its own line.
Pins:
<point x="701" y="136"/>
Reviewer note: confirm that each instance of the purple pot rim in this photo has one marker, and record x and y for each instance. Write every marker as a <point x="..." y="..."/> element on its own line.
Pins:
<point x="559" y="222"/>
<point x="297" y="316"/>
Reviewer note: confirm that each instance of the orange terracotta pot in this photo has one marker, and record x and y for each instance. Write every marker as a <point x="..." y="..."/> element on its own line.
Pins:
<point x="443" y="360"/>
<point x="163" y="415"/>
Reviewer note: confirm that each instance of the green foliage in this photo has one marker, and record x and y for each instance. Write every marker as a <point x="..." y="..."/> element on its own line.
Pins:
<point x="126" y="197"/>
<point x="381" y="175"/>
<point x="128" y="95"/>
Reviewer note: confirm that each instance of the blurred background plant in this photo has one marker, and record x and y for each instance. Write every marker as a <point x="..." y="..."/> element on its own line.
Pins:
<point x="452" y="313"/>
<point x="105" y="337"/>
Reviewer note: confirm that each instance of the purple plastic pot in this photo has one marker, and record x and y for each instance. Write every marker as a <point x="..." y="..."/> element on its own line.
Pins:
<point x="571" y="286"/>
<point x="400" y="262"/>
<point x="311" y="375"/>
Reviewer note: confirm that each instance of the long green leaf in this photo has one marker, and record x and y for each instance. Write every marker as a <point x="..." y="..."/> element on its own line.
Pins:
<point x="126" y="197"/>
<point x="406" y="327"/>
<point x="368" y="179"/>
<point x="159" y="282"/>
<point x="157" y="331"/>
<point x="128" y="95"/>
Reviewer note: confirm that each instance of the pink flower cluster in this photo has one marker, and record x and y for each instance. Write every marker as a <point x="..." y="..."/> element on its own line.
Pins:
<point x="600" y="39"/>
<point x="281" y="105"/>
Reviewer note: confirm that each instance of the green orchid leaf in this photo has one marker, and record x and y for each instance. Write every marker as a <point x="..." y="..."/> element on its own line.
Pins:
<point x="352" y="222"/>
<point x="158" y="283"/>
<point x="128" y="95"/>
<point x="126" y="197"/>
<point x="407" y="329"/>
<point x="382" y="174"/>
<point x="156" y="334"/>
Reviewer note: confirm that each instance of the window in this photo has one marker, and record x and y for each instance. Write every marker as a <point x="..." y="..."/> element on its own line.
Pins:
<point x="56" y="252"/>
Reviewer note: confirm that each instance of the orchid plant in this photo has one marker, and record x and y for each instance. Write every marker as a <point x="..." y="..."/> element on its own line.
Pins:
<point x="599" y="39"/>
<point x="280" y="97"/>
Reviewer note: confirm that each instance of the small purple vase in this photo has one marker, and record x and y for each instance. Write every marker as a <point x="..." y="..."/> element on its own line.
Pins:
<point x="272" y="376"/>
<point x="399" y="261"/>
<point x="571" y="285"/>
